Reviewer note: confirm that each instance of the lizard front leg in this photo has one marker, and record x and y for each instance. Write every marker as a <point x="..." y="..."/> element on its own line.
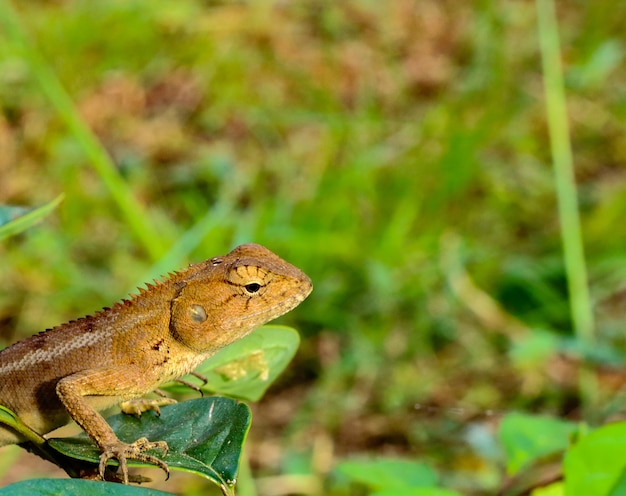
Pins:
<point x="114" y="383"/>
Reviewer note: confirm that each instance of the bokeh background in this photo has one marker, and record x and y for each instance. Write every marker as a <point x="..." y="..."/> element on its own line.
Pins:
<point x="396" y="151"/>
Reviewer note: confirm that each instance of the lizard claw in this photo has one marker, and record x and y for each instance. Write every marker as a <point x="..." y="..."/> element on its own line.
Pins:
<point x="141" y="405"/>
<point x="134" y="451"/>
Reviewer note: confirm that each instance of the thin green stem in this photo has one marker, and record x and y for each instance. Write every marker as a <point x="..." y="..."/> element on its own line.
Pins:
<point x="565" y="182"/>
<point x="131" y="209"/>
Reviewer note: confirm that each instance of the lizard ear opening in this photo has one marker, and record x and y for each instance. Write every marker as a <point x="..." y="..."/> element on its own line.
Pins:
<point x="197" y="313"/>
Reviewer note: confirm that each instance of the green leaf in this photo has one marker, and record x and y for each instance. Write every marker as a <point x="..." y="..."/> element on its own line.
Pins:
<point x="594" y="71"/>
<point x="619" y="488"/>
<point x="596" y="464"/>
<point x="534" y="349"/>
<point x="554" y="489"/>
<point x="75" y="487"/>
<point x="8" y="417"/>
<point x="417" y="491"/>
<point x="246" y="368"/>
<point x="205" y="437"/>
<point x="527" y="437"/>
<point x="388" y="474"/>
<point x="14" y="220"/>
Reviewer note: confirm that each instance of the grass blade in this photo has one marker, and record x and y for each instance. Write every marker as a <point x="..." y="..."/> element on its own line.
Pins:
<point x="25" y="221"/>
<point x="565" y="183"/>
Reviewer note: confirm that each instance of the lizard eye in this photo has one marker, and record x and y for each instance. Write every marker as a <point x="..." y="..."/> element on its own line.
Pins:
<point x="216" y="261"/>
<point x="197" y="313"/>
<point x="253" y="287"/>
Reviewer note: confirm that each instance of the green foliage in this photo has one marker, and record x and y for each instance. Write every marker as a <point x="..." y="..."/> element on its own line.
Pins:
<point x="389" y="476"/>
<point x="596" y="464"/>
<point x="555" y="489"/>
<point x="526" y="438"/>
<point x="85" y="137"/>
<point x="74" y="487"/>
<point x="416" y="491"/>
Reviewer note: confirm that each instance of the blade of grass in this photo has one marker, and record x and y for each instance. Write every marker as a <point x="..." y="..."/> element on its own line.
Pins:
<point x="25" y="221"/>
<point x="131" y="209"/>
<point x="565" y="183"/>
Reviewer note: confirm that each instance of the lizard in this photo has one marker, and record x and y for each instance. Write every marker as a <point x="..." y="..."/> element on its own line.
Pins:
<point x="123" y="352"/>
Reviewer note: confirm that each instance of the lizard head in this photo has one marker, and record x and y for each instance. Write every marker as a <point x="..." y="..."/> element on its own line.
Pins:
<point x="225" y="298"/>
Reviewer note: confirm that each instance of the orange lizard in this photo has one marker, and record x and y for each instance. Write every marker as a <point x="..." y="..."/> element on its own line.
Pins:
<point x="124" y="352"/>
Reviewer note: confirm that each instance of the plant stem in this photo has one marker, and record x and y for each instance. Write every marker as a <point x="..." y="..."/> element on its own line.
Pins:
<point x="565" y="183"/>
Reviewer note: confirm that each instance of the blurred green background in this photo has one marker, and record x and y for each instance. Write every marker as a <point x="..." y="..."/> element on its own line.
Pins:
<point x="396" y="151"/>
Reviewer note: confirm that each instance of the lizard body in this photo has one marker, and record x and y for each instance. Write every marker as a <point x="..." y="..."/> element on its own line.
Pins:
<point x="76" y="369"/>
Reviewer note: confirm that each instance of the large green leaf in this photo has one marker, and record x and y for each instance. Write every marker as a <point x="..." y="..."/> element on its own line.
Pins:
<point x="205" y="437"/>
<point x="75" y="487"/>
<point x="246" y="368"/>
<point x="528" y="437"/>
<point x="596" y="464"/>
<point x="14" y="220"/>
<point x="388" y="474"/>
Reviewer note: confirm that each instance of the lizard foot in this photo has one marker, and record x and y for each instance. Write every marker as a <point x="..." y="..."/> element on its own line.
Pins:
<point x="134" y="451"/>
<point x="138" y="406"/>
